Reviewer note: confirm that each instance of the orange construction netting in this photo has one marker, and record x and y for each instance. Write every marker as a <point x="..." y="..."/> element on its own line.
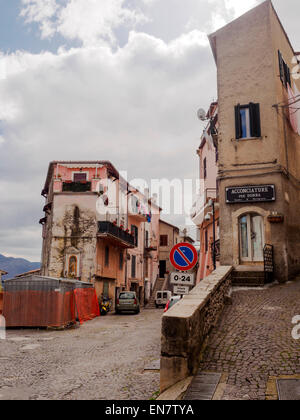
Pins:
<point x="87" y="304"/>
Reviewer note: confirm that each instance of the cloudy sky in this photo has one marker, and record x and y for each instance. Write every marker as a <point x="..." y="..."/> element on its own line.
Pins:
<point x="103" y="79"/>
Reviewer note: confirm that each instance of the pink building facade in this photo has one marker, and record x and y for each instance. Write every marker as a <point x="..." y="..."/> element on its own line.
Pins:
<point x="97" y="228"/>
<point x="205" y="212"/>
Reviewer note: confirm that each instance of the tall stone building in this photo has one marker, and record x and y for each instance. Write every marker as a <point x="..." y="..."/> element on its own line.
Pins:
<point x="98" y="228"/>
<point x="258" y="143"/>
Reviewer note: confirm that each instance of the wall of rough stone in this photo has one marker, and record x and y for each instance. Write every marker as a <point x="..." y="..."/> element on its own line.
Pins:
<point x="186" y="326"/>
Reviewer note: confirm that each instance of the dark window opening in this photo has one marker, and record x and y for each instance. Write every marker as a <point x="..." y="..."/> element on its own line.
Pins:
<point x="164" y="240"/>
<point x="206" y="241"/>
<point x="135" y="232"/>
<point x="247" y="121"/>
<point x="284" y="71"/>
<point x="133" y="266"/>
<point x="121" y="261"/>
<point x="79" y="176"/>
<point x="106" y="256"/>
<point x="204" y="168"/>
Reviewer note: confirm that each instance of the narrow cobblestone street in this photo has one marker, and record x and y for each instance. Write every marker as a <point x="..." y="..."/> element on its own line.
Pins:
<point x="253" y="340"/>
<point x="103" y="359"/>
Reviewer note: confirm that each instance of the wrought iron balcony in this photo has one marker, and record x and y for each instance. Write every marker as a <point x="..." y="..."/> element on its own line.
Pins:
<point x="150" y="245"/>
<point x="116" y="234"/>
<point x="76" y="186"/>
<point x="201" y="207"/>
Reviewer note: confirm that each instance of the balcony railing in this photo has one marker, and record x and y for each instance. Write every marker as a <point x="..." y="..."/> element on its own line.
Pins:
<point x="114" y="232"/>
<point x="150" y="245"/>
<point x="201" y="207"/>
<point x="77" y="186"/>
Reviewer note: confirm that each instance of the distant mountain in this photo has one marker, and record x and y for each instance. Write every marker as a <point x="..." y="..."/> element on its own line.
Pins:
<point x="15" y="266"/>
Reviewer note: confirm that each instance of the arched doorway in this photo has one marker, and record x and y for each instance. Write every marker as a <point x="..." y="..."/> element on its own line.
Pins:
<point x="251" y="237"/>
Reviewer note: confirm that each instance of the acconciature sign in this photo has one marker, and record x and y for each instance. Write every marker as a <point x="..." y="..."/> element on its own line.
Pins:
<point x="250" y="194"/>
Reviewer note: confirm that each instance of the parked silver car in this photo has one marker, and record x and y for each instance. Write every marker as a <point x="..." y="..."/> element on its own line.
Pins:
<point x="127" y="302"/>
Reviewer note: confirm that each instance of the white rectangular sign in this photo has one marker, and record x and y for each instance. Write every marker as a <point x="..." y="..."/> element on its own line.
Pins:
<point x="182" y="279"/>
<point x="181" y="290"/>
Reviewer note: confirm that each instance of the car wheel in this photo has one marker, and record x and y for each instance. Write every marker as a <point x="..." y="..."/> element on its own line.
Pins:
<point x="137" y="311"/>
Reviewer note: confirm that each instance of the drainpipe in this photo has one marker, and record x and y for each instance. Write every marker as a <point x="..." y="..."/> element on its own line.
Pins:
<point x="214" y="235"/>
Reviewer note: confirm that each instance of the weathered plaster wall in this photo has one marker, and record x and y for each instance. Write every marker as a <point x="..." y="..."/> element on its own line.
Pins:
<point x="74" y="226"/>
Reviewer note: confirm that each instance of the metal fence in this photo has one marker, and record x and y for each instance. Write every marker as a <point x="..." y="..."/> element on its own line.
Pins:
<point x="38" y="301"/>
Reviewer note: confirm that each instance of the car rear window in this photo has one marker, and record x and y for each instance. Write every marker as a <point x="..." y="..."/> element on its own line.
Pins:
<point x="165" y="296"/>
<point x="159" y="295"/>
<point x="127" y="295"/>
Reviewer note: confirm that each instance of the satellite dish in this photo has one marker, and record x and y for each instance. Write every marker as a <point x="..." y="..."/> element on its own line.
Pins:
<point x="201" y="114"/>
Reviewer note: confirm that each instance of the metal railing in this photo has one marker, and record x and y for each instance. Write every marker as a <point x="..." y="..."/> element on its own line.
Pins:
<point x="269" y="263"/>
<point x="202" y="200"/>
<point x="76" y="186"/>
<point x="115" y="231"/>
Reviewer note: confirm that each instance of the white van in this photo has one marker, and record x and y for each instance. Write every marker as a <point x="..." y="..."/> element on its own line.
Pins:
<point x="162" y="298"/>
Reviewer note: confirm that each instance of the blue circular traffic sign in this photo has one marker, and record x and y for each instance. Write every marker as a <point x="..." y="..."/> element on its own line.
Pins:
<point x="184" y="256"/>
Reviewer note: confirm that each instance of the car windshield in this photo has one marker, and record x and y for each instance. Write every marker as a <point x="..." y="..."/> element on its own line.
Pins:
<point x="127" y="295"/>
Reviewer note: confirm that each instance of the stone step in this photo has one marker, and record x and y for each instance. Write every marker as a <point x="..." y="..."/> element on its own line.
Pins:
<point x="248" y="274"/>
<point x="248" y="281"/>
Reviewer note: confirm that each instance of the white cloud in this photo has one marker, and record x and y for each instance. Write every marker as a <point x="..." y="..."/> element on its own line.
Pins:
<point x="239" y="7"/>
<point x="41" y="12"/>
<point x="134" y="105"/>
<point x="89" y="21"/>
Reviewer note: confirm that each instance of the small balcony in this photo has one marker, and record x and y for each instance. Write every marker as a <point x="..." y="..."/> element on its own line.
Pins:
<point x="201" y="207"/>
<point x="151" y="245"/>
<point x="76" y="187"/>
<point x="116" y="235"/>
<point x="137" y="209"/>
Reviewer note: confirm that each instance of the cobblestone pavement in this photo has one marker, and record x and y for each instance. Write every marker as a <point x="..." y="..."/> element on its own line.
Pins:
<point x="253" y="340"/>
<point x="103" y="359"/>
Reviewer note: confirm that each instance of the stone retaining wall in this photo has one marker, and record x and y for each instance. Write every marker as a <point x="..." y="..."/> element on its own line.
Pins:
<point x="188" y="323"/>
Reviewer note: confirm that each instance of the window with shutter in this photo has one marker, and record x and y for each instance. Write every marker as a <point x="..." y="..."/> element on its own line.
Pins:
<point x="204" y="168"/>
<point x="238" y="125"/>
<point x="284" y="71"/>
<point x="247" y="121"/>
<point x="133" y="266"/>
<point x="135" y="232"/>
<point x="106" y="262"/>
<point x="254" y="110"/>
<point x="80" y="176"/>
<point x="121" y="260"/>
<point x="164" y="240"/>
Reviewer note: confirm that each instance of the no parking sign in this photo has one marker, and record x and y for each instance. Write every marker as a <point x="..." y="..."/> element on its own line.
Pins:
<point x="184" y="257"/>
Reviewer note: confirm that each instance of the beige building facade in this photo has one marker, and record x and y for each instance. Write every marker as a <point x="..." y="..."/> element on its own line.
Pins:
<point x="258" y="143"/>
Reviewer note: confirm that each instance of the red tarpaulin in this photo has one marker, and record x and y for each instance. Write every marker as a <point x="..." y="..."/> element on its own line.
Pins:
<point x="87" y="304"/>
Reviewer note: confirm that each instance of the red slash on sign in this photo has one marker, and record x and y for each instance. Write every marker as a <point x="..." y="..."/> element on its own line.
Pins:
<point x="184" y="257"/>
